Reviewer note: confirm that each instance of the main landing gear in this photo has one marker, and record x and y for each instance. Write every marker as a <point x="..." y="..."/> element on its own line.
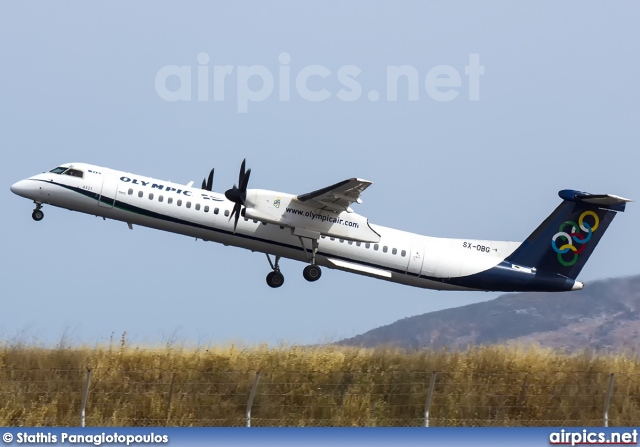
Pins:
<point x="275" y="279"/>
<point x="311" y="272"/>
<point x="37" y="214"/>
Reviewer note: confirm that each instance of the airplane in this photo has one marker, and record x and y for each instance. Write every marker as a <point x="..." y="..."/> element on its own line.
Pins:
<point x="321" y="229"/>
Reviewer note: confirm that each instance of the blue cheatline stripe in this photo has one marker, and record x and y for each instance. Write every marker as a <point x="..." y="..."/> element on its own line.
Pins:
<point x="152" y="214"/>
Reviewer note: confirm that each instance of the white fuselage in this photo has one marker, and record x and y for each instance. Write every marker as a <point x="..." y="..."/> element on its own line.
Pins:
<point x="398" y="256"/>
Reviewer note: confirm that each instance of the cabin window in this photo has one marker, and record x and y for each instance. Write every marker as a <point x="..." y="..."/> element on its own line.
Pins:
<point x="170" y="200"/>
<point x="73" y="173"/>
<point x="375" y="247"/>
<point x="367" y="245"/>
<point x="403" y="253"/>
<point x="59" y="170"/>
<point x="264" y="223"/>
<point x="130" y="192"/>
<point x="350" y="242"/>
<point x="216" y="210"/>
<point x="140" y="193"/>
<point x="341" y="241"/>
<point x="358" y="244"/>
<point x="150" y="196"/>
<point x="179" y="202"/>
<point x="160" y="198"/>
<point x="332" y="238"/>
<point x="188" y="205"/>
<point x="246" y="220"/>
<point x="206" y="208"/>
<point x="226" y="213"/>
<point x="197" y="207"/>
<point x="394" y="251"/>
<point x="385" y="249"/>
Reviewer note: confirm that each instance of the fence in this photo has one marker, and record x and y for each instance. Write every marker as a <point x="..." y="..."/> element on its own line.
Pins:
<point x="154" y="397"/>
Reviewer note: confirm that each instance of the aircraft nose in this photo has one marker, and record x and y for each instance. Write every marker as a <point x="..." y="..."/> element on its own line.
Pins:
<point x="21" y="188"/>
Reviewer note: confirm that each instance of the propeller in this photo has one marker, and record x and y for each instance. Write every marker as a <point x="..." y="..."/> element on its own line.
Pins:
<point x="207" y="184"/>
<point x="238" y="194"/>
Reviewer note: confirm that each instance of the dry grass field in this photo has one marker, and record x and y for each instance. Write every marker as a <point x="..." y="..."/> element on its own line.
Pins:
<point x="313" y="386"/>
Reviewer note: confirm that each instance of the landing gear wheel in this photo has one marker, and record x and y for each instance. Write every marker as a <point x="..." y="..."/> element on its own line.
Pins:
<point x="275" y="279"/>
<point x="312" y="273"/>
<point x="37" y="215"/>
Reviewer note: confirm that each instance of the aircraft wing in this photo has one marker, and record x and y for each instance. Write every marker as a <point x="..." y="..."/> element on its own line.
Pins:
<point x="338" y="197"/>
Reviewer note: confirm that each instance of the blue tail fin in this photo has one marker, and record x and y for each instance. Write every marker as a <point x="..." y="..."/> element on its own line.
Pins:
<point x="565" y="240"/>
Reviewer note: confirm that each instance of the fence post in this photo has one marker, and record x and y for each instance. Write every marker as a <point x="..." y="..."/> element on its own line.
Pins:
<point x="608" y="401"/>
<point x="251" y="396"/>
<point x="173" y="379"/>
<point x="523" y="392"/>
<point x="432" y="385"/>
<point x="85" y="395"/>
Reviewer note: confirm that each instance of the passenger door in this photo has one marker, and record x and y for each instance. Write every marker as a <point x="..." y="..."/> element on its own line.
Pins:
<point x="416" y="258"/>
<point x="109" y="190"/>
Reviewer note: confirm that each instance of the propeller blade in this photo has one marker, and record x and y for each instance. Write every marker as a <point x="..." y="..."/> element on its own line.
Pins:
<point x="204" y="185"/>
<point x="243" y="186"/>
<point x="235" y="212"/>
<point x="242" y="171"/>
<point x="235" y="223"/>
<point x="210" y="181"/>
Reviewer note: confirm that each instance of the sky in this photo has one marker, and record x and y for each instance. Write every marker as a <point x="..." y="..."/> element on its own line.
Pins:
<point x="502" y="105"/>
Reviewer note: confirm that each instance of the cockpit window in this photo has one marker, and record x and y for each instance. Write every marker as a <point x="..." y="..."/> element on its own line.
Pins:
<point x="73" y="173"/>
<point x="59" y="170"/>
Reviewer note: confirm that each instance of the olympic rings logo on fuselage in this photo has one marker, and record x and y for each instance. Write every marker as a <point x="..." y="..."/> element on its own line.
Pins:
<point x="575" y="236"/>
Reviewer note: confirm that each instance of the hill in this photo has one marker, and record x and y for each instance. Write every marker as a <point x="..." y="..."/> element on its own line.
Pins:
<point x="604" y="316"/>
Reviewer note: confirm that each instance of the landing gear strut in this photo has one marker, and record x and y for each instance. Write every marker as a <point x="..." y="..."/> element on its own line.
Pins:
<point x="37" y="214"/>
<point x="275" y="279"/>
<point x="311" y="272"/>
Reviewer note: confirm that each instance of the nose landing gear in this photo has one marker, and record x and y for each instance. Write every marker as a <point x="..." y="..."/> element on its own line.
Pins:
<point x="37" y="214"/>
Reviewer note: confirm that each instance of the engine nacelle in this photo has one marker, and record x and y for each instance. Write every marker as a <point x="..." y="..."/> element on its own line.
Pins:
<point x="283" y="209"/>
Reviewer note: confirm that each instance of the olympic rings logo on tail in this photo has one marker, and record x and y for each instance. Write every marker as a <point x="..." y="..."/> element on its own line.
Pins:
<point x="579" y="234"/>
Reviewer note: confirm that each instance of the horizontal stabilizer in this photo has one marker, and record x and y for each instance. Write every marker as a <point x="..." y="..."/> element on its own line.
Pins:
<point x="608" y="201"/>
